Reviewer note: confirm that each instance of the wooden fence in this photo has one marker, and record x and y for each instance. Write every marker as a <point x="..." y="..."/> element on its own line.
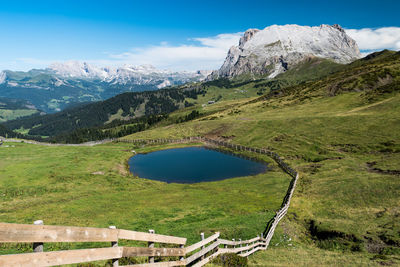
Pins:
<point x="197" y="254"/>
<point x="169" y="247"/>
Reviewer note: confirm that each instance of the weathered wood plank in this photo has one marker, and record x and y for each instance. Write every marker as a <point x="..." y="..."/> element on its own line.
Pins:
<point x="226" y="250"/>
<point x="227" y="242"/>
<point x="11" y="232"/>
<point x="240" y="249"/>
<point x="60" y="257"/>
<point x="251" y="240"/>
<point x="201" y="243"/>
<point x="140" y="236"/>
<point x="235" y="243"/>
<point x="152" y="252"/>
<point x="158" y="264"/>
<point x="202" y="252"/>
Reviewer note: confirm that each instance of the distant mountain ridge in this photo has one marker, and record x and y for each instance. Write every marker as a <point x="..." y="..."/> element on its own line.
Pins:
<point x="62" y="84"/>
<point x="276" y="49"/>
<point x="123" y="74"/>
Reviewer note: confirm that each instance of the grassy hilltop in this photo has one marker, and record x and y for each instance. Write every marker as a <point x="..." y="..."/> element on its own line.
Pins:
<point x="340" y="130"/>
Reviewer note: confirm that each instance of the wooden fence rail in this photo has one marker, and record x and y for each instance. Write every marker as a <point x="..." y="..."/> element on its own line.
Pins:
<point x="197" y="254"/>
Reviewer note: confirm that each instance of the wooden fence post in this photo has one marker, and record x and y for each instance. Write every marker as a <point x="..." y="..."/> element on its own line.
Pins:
<point x="202" y="238"/>
<point x="262" y="237"/>
<point x="115" y="262"/>
<point x="38" y="247"/>
<point x="182" y="258"/>
<point x="233" y="240"/>
<point x="151" y="245"/>
<point x="257" y="240"/>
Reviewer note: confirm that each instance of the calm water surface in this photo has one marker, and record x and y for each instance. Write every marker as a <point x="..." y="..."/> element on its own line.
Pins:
<point x="192" y="165"/>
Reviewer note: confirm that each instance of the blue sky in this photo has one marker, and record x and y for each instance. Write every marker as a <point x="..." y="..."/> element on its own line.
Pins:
<point x="171" y="34"/>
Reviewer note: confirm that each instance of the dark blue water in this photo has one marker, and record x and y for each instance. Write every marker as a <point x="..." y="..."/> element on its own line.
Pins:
<point x="192" y="165"/>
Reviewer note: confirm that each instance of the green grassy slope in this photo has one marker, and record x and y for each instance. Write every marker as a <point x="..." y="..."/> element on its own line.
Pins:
<point x="342" y="133"/>
<point x="91" y="186"/>
<point x="12" y="114"/>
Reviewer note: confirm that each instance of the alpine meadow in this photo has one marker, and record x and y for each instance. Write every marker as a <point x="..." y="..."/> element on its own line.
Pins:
<point x="277" y="146"/>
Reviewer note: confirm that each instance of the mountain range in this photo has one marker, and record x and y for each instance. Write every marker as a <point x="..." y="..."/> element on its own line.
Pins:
<point x="64" y="84"/>
<point x="275" y="58"/>
<point x="264" y="53"/>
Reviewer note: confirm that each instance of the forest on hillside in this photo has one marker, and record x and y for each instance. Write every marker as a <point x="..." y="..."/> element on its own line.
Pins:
<point x="123" y="107"/>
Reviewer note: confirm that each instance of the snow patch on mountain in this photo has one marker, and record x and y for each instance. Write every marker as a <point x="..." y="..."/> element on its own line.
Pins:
<point x="277" y="48"/>
<point x="164" y="84"/>
<point x="58" y="82"/>
<point x="3" y="77"/>
<point x="74" y="69"/>
<point x="12" y="84"/>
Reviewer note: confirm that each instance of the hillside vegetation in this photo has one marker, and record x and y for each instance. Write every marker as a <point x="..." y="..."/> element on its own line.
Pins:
<point x="124" y="107"/>
<point x="131" y="112"/>
<point x="11" y="109"/>
<point x="342" y="133"/>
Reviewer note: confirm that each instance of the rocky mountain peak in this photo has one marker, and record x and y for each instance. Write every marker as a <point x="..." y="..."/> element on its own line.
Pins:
<point x="277" y="48"/>
<point x="78" y="69"/>
<point x="337" y="26"/>
<point x="247" y="36"/>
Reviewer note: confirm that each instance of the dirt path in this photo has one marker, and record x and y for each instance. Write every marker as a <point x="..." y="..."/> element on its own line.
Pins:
<point x="92" y="143"/>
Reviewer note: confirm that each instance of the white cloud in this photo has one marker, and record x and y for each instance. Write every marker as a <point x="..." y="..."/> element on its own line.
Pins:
<point x="209" y="53"/>
<point x="206" y="53"/>
<point x="35" y="61"/>
<point x="223" y="41"/>
<point x="24" y="64"/>
<point x="376" y="39"/>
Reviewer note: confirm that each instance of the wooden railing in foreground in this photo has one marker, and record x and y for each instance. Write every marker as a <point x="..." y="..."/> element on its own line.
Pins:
<point x="194" y="255"/>
<point x="197" y="254"/>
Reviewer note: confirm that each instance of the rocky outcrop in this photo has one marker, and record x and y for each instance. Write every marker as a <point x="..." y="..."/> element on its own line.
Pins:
<point x="276" y="48"/>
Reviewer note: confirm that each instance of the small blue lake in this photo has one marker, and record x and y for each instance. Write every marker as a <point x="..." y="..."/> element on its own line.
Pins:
<point x="193" y="165"/>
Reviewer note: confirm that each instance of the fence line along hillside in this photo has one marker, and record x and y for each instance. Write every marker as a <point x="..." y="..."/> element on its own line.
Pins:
<point x="170" y="249"/>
